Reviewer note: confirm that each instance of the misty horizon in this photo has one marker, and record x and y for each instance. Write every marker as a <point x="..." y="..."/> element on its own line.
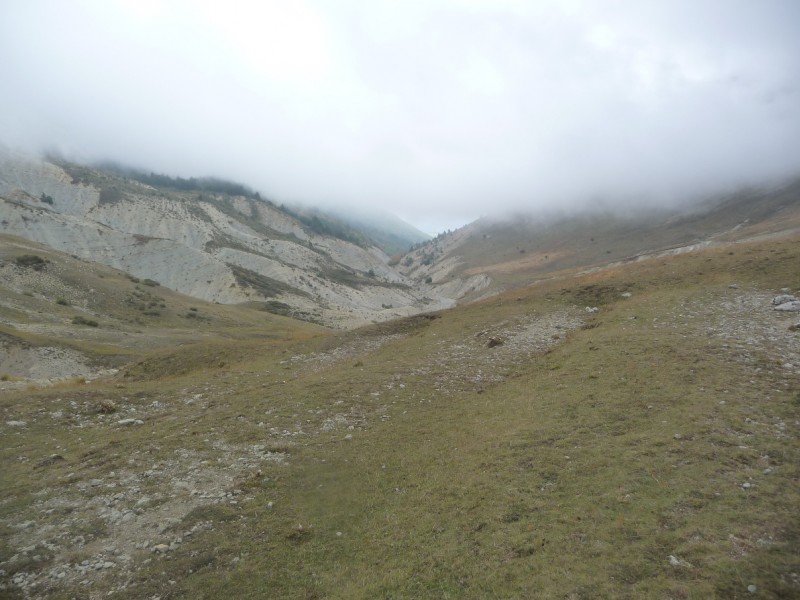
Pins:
<point x="438" y="113"/>
<point x="592" y="207"/>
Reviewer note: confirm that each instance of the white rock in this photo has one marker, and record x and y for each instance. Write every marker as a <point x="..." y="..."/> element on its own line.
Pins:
<point x="793" y="306"/>
<point x="16" y="423"/>
<point x="752" y="588"/>
<point x="678" y="562"/>
<point x="746" y="486"/>
<point x="783" y="299"/>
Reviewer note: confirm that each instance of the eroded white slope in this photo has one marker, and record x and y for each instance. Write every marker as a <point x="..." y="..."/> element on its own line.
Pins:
<point x="193" y="244"/>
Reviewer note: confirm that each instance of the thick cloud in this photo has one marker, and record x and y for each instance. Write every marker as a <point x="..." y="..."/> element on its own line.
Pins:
<point x="439" y="110"/>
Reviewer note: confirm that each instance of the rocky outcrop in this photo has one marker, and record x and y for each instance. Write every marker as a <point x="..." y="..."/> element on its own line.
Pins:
<point x="786" y="303"/>
<point x="791" y="306"/>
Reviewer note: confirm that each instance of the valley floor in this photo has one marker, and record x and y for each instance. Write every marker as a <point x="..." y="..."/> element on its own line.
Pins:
<point x="520" y="447"/>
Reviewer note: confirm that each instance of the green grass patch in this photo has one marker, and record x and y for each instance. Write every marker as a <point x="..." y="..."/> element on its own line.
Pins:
<point x="81" y="320"/>
<point x="31" y="261"/>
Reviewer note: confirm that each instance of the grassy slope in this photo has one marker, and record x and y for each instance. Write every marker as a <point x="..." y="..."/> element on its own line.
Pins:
<point x="508" y="251"/>
<point x="562" y="479"/>
<point x="133" y="318"/>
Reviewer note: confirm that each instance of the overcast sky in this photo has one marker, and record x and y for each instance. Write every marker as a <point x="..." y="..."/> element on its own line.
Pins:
<point x="439" y="110"/>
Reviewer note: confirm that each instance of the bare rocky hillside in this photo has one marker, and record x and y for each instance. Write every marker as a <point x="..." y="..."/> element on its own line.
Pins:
<point x="215" y="247"/>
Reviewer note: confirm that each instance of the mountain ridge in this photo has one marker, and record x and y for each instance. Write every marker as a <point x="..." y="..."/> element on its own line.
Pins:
<point x="207" y="245"/>
<point x="232" y="249"/>
<point x="513" y="251"/>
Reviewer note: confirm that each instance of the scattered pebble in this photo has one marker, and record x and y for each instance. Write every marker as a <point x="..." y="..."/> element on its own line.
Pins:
<point x="752" y="588"/>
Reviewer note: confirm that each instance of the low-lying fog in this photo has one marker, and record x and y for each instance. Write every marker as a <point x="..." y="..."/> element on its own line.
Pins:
<point x="439" y="111"/>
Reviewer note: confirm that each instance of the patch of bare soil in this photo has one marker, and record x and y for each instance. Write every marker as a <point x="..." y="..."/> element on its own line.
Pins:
<point x="752" y="331"/>
<point x="22" y="364"/>
<point x="318" y="361"/>
<point x="86" y="529"/>
<point x="491" y="355"/>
